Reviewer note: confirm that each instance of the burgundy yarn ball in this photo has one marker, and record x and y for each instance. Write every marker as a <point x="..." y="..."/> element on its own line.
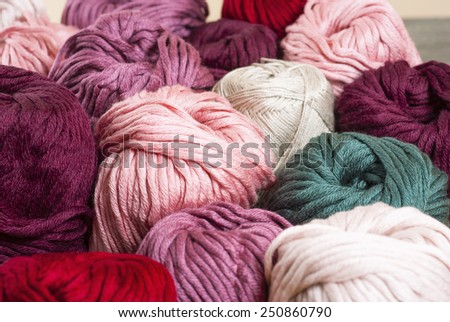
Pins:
<point x="226" y="44"/>
<point x="121" y="55"/>
<point x="86" y="277"/>
<point x="177" y="16"/>
<point x="411" y="104"/>
<point x="47" y="166"/>
<point x="215" y="253"/>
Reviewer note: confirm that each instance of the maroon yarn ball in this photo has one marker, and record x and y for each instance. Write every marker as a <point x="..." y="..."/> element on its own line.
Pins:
<point x="226" y="44"/>
<point x="47" y="166"/>
<point x="411" y="104"/>
<point x="178" y="16"/>
<point x="121" y="55"/>
<point x="215" y="253"/>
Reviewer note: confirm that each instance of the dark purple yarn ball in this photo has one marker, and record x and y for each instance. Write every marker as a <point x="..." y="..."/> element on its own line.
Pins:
<point x="47" y="166"/>
<point x="121" y="55"/>
<point x="226" y="44"/>
<point x="177" y="16"/>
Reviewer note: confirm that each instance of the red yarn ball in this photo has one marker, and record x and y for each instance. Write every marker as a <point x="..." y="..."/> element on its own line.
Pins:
<point x="85" y="277"/>
<point x="275" y="14"/>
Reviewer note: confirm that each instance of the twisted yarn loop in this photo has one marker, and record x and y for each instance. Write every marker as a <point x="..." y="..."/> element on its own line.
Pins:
<point x="290" y="102"/>
<point x="88" y="277"/>
<point x="338" y="172"/>
<point x="215" y="253"/>
<point x="343" y="38"/>
<point x="170" y="150"/>
<point x="13" y="11"/>
<point x="372" y="253"/>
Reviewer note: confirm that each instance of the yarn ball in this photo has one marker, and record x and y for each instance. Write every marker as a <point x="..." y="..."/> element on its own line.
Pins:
<point x="121" y="55"/>
<point x="177" y="16"/>
<point x="226" y="44"/>
<point x="346" y="37"/>
<point x="88" y="277"/>
<point x="170" y="150"/>
<point x="409" y="104"/>
<point x="338" y="172"/>
<point x="215" y="253"/>
<point x="290" y="102"/>
<point x="47" y="166"/>
<point x="12" y="11"/>
<point x="33" y="44"/>
<point x="275" y="14"/>
<point x="372" y="253"/>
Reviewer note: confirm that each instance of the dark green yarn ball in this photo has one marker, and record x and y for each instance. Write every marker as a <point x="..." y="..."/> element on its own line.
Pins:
<point x="338" y="172"/>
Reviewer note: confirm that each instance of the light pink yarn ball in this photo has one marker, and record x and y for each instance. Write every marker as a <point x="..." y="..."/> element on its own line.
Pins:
<point x="343" y="38"/>
<point x="372" y="253"/>
<point x="132" y="193"/>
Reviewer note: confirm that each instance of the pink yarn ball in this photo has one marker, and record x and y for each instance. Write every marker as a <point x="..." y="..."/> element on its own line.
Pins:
<point x="343" y="38"/>
<point x="143" y="179"/>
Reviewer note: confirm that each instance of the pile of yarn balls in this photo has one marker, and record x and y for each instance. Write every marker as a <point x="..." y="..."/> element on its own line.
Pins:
<point x="290" y="151"/>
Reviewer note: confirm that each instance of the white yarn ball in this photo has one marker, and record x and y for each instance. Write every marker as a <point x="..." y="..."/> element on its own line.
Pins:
<point x="14" y="10"/>
<point x="290" y="102"/>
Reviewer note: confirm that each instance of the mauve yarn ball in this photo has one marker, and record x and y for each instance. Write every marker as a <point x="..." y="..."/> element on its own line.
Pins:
<point x="215" y="253"/>
<point x="338" y="172"/>
<point x="411" y="104"/>
<point x="85" y="277"/>
<point x="344" y="38"/>
<point x="47" y="166"/>
<point x="12" y="11"/>
<point x="275" y="14"/>
<point x="226" y="44"/>
<point x="121" y="55"/>
<point x="177" y="16"/>
<point x="169" y="150"/>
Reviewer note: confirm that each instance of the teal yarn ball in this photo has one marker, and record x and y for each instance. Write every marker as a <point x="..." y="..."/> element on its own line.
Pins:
<point x="338" y="172"/>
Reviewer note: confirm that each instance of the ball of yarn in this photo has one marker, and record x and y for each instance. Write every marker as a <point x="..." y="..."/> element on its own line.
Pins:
<point x="32" y="45"/>
<point x="121" y="55"/>
<point x="12" y="11"/>
<point x="409" y="104"/>
<point x="215" y="253"/>
<point x="275" y="14"/>
<point x="337" y="172"/>
<point x="177" y="16"/>
<point x="290" y="102"/>
<point x="346" y="37"/>
<point x="89" y="277"/>
<point x="170" y="150"/>
<point x="226" y="44"/>
<point x="47" y="166"/>
<point x="373" y="253"/>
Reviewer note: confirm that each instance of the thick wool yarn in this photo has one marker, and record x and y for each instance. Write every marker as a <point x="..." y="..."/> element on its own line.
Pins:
<point x="47" y="166"/>
<point x="290" y="102"/>
<point x="275" y="14"/>
<point x="12" y="11"/>
<point x="346" y="37"/>
<point x="89" y="277"/>
<point x="121" y="55"/>
<point x="226" y="44"/>
<point x="215" y="253"/>
<point x="170" y="150"/>
<point x="373" y="253"/>
<point x="337" y="172"/>
<point x="33" y="44"/>
<point x="177" y="16"/>
<point x="409" y="104"/>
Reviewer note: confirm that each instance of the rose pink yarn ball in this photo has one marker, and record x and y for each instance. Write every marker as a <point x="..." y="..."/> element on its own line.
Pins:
<point x="158" y="148"/>
<point x="121" y="55"/>
<point x="177" y="16"/>
<point x="372" y="253"/>
<point x="346" y="37"/>
<point x="215" y="253"/>
<point x="47" y="167"/>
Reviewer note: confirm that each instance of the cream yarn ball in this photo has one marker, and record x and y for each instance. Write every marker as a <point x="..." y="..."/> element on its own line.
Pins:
<point x="290" y="102"/>
<point x="13" y="10"/>
<point x="372" y="253"/>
